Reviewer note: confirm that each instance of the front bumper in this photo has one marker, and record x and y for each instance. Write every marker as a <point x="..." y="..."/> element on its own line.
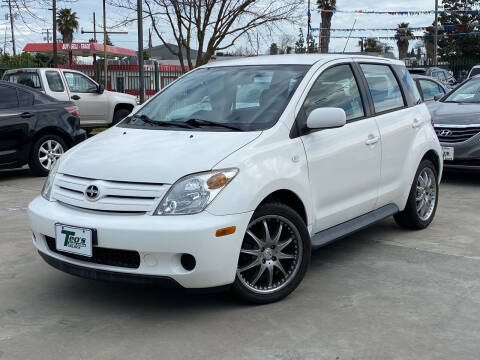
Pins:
<point x="466" y="154"/>
<point x="159" y="240"/>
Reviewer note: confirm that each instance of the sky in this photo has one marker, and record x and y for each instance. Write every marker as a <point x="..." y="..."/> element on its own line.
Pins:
<point x="85" y="9"/>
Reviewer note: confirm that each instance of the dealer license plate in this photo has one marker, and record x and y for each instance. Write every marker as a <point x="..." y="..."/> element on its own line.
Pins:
<point x="448" y="152"/>
<point x="73" y="239"/>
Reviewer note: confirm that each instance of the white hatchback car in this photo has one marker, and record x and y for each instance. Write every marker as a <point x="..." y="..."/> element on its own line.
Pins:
<point x="233" y="173"/>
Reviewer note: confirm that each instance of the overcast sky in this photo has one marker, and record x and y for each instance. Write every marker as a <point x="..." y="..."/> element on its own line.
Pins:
<point x="85" y="8"/>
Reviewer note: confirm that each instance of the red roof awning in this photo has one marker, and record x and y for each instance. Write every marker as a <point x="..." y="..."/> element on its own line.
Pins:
<point x="79" y="49"/>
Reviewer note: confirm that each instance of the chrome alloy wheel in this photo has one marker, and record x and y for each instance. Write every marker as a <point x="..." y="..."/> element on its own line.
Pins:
<point x="49" y="152"/>
<point x="426" y="194"/>
<point x="271" y="254"/>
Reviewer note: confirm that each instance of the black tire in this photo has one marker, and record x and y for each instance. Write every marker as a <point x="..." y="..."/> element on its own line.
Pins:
<point x="287" y="281"/>
<point x="34" y="161"/>
<point x="119" y="115"/>
<point x="410" y="218"/>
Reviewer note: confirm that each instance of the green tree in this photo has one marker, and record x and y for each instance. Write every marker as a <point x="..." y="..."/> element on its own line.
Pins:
<point x="300" y="43"/>
<point x="273" y="49"/>
<point x="402" y="43"/>
<point x="67" y="22"/>
<point x="453" y="48"/>
<point x="109" y="41"/>
<point x="326" y="22"/>
<point x="373" y="45"/>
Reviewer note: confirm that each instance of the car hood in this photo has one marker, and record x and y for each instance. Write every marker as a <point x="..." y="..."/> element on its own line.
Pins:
<point x="454" y="113"/>
<point x="130" y="99"/>
<point x="151" y="156"/>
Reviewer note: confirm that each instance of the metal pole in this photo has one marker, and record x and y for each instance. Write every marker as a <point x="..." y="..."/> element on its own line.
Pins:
<point x="350" y="34"/>
<point x="105" y="62"/>
<point x="54" y="14"/>
<point x="435" y="37"/>
<point x="140" y="51"/>
<point x="308" y="27"/>
<point x="94" y="28"/>
<point x="12" y="27"/>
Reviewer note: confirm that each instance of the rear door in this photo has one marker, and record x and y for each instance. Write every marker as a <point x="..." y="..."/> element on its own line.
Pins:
<point x="343" y="163"/>
<point x="16" y="119"/>
<point x="398" y="122"/>
<point x="93" y="106"/>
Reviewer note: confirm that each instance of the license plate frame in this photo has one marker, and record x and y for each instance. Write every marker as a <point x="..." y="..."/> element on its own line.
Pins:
<point x="448" y="153"/>
<point x="74" y="240"/>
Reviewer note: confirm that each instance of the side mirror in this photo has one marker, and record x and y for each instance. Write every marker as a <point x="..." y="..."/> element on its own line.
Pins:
<point x="437" y="97"/>
<point x="101" y="88"/>
<point x="326" y="118"/>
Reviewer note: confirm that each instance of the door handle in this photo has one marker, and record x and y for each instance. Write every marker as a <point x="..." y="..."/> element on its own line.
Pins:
<point x="372" y="140"/>
<point x="416" y="123"/>
<point x="75" y="97"/>
<point x="26" y="115"/>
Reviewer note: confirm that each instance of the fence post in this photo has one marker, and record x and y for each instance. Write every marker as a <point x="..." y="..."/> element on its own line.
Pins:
<point x="98" y="74"/>
<point x="157" y="77"/>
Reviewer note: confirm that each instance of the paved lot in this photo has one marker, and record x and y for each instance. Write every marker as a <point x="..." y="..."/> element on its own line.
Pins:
<point x="383" y="293"/>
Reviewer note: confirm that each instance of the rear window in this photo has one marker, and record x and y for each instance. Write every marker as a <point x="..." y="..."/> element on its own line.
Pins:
<point x="25" y="98"/>
<point x="54" y="81"/>
<point x="384" y="88"/>
<point x="30" y="79"/>
<point x="9" y="97"/>
<point x="475" y="71"/>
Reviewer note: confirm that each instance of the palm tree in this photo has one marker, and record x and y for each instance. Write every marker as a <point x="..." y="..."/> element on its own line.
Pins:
<point x="402" y="43"/>
<point x="326" y="22"/>
<point x="67" y="22"/>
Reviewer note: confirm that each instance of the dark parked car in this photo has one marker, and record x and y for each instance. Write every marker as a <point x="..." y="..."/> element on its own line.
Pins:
<point x="429" y="88"/>
<point x="35" y="128"/>
<point x="457" y="124"/>
<point x="439" y="74"/>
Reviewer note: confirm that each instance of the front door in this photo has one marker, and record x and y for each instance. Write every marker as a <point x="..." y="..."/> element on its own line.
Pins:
<point x="92" y="105"/>
<point x="343" y="163"/>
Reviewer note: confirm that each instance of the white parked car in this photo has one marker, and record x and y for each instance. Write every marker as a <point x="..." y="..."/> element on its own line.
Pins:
<point x="98" y="107"/>
<point x="232" y="174"/>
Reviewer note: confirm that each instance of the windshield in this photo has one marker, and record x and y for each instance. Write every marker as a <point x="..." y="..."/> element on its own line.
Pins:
<point x="240" y="98"/>
<point x="469" y="92"/>
<point x="475" y="71"/>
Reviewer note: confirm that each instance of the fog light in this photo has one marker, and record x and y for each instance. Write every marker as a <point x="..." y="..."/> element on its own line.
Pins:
<point x="188" y="262"/>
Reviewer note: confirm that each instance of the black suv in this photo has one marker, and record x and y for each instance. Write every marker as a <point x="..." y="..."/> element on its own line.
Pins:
<point x="35" y="129"/>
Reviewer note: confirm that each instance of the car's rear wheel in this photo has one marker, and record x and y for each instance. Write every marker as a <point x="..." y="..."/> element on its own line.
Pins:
<point x="423" y="199"/>
<point x="274" y="256"/>
<point x="46" y="151"/>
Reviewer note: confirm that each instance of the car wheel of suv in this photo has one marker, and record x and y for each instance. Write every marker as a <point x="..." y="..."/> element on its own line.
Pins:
<point x="119" y="115"/>
<point x="274" y="256"/>
<point x="46" y="151"/>
<point x="423" y="199"/>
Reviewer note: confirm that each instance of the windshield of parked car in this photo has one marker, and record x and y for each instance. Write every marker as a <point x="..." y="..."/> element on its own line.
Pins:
<point x="234" y="98"/>
<point x="469" y="92"/>
<point x="475" y="71"/>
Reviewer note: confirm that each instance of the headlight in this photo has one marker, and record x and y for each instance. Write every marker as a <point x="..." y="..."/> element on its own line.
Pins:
<point x="47" y="187"/>
<point x="193" y="193"/>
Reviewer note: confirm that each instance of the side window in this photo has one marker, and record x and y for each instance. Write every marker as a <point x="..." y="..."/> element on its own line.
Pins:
<point x="9" y="97"/>
<point x="383" y="86"/>
<point x="54" y="81"/>
<point x="335" y="87"/>
<point x="79" y="83"/>
<point x="430" y="89"/>
<point x="409" y="85"/>
<point x="24" y="98"/>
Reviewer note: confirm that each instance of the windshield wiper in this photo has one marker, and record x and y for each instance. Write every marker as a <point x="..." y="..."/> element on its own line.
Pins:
<point x="202" y="122"/>
<point x="148" y="120"/>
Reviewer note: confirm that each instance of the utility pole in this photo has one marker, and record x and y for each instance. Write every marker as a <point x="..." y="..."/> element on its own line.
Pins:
<point x="435" y="36"/>
<point x="94" y="28"/>
<point x="9" y="2"/>
<point x="140" y="51"/>
<point x="308" y="28"/>
<point x="46" y="31"/>
<point x="54" y="20"/>
<point x="105" y="62"/>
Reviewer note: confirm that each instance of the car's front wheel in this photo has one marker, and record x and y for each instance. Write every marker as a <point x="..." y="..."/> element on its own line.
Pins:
<point x="274" y="256"/>
<point x="422" y="200"/>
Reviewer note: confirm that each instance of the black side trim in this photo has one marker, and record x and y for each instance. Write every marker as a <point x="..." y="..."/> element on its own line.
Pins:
<point x="337" y="232"/>
<point x="104" y="275"/>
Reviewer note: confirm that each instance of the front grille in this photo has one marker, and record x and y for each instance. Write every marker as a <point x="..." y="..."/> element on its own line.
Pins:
<point x="456" y="134"/>
<point x="103" y="256"/>
<point x="113" y="196"/>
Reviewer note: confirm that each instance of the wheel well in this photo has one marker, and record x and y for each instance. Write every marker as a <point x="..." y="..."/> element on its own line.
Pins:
<point x="52" y="131"/>
<point x="128" y="107"/>
<point x="289" y="198"/>
<point x="433" y="157"/>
